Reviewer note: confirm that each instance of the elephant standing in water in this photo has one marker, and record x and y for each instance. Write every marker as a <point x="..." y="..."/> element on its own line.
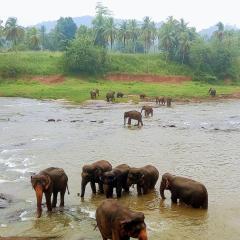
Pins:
<point x="169" y="102"/>
<point x="93" y="94"/>
<point x="49" y="181"/>
<point x="145" y="178"/>
<point x="190" y="192"/>
<point x="160" y="100"/>
<point x="118" y="222"/>
<point x="91" y="173"/>
<point x="148" y="110"/>
<point x="116" y="178"/>
<point x="133" y="115"/>
<point x="212" y="92"/>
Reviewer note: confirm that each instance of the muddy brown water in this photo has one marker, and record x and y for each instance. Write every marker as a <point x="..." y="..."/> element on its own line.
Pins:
<point x="204" y="145"/>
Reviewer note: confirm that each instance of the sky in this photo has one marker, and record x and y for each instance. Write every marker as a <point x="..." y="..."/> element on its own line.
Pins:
<point x="198" y="13"/>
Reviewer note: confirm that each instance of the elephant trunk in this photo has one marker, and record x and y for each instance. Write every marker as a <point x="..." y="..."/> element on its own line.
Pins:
<point x="205" y="203"/>
<point x="125" y="120"/>
<point x="143" y="235"/>
<point x="39" y="193"/>
<point x="83" y="187"/>
<point x="162" y="188"/>
<point x="108" y="190"/>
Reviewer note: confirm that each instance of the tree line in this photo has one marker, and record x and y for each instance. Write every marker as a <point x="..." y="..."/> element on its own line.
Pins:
<point x="211" y="58"/>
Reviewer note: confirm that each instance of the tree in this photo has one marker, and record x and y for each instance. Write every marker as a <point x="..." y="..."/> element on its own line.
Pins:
<point x="14" y="32"/>
<point x="82" y="56"/>
<point x="99" y="24"/>
<point x="43" y="37"/>
<point x="133" y="33"/>
<point x="32" y="39"/>
<point x="124" y="33"/>
<point x="110" y="31"/>
<point x="220" y="31"/>
<point x="65" y="31"/>
<point x="148" y="32"/>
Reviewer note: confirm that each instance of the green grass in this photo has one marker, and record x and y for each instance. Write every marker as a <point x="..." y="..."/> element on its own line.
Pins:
<point x="50" y="63"/>
<point x="78" y="90"/>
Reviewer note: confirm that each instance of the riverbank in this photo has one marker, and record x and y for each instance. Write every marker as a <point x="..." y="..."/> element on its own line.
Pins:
<point x="77" y="90"/>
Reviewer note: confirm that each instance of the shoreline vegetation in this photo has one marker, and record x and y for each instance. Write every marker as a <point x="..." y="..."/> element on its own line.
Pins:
<point x="41" y="75"/>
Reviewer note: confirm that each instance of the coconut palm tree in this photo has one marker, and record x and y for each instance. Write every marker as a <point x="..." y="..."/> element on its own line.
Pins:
<point x="110" y="31"/>
<point x="13" y="32"/>
<point x="124" y="33"/>
<point x="148" y="30"/>
<point x="133" y="32"/>
<point x="220" y="31"/>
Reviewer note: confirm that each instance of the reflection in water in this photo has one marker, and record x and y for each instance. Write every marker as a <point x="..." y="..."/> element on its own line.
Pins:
<point x="200" y="141"/>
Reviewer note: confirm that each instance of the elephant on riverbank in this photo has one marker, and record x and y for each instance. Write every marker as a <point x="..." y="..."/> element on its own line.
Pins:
<point x="118" y="222"/>
<point x="147" y="110"/>
<point x="91" y="173"/>
<point x="49" y="181"/>
<point x="120" y="95"/>
<point x="160" y="100"/>
<point x="212" y="92"/>
<point x="110" y="96"/>
<point x="116" y="178"/>
<point x="190" y="192"/>
<point x="93" y="94"/>
<point x="145" y="177"/>
<point x="133" y="115"/>
<point x="142" y="96"/>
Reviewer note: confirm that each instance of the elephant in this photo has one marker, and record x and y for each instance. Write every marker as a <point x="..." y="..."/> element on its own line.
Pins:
<point x="169" y="102"/>
<point x="110" y="96"/>
<point x="212" y="92"/>
<point x="160" y="100"/>
<point x="145" y="177"/>
<point x="49" y="181"/>
<point x="91" y="173"/>
<point x="118" y="222"/>
<point x="148" y="110"/>
<point x="116" y="178"/>
<point x="93" y="94"/>
<point x="133" y="115"/>
<point x="120" y="95"/>
<point x="142" y="96"/>
<point x="97" y="92"/>
<point x="190" y="192"/>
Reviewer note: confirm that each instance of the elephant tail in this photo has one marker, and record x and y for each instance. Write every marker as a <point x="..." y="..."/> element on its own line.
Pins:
<point x="68" y="190"/>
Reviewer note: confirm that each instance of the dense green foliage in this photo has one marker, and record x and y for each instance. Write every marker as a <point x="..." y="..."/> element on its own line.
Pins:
<point x="82" y="56"/>
<point x="213" y="59"/>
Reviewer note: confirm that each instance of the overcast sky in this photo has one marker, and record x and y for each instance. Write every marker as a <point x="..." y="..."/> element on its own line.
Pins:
<point x="199" y="13"/>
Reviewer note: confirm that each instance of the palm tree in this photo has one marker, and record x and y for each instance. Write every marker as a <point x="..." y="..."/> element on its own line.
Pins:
<point x="124" y="32"/>
<point x="133" y="33"/>
<point x="110" y="31"/>
<point x="220" y="31"/>
<point x="184" y="45"/>
<point x="13" y="32"/>
<point x="43" y="37"/>
<point x="148" y="28"/>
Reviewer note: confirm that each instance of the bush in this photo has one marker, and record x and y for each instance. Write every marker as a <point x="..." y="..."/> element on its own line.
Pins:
<point x="82" y="56"/>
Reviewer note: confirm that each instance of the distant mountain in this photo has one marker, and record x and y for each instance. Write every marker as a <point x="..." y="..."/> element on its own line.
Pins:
<point x="84" y="20"/>
<point x="207" y="33"/>
<point x="49" y="25"/>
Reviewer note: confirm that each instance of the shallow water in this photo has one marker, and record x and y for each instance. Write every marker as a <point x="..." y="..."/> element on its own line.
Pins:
<point x="204" y="145"/>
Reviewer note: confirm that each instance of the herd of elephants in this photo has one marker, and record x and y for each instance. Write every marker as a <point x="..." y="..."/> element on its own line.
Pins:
<point x="114" y="220"/>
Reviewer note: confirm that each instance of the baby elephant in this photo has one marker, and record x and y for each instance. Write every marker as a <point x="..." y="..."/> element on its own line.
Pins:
<point x="118" y="222"/>
<point x="91" y="173"/>
<point x="148" y="111"/>
<point x="116" y="178"/>
<point x="145" y="178"/>
<point x="190" y="192"/>
<point x="49" y="181"/>
<point x="133" y="115"/>
<point x="120" y="95"/>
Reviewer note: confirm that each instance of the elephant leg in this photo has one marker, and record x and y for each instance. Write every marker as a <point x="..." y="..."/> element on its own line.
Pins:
<point x="93" y="186"/>
<point x="129" y="121"/>
<point x="126" y="188"/>
<point x="48" y="201"/>
<point x="174" y="197"/>
<point x="100" y="185"/>
<point x="145" y="190"/>
<point x="139" y="189"/>
<point x="62" y="193"/>
<point x="119" y="191"/>
<point x="54" y="201"/>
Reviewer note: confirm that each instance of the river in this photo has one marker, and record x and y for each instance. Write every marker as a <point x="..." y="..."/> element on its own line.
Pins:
<point x="203" y="145"/>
